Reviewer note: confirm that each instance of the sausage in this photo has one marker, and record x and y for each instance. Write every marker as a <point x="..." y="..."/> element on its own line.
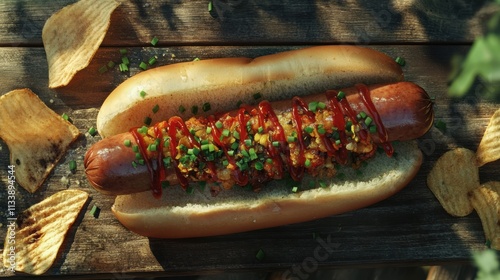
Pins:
<point x="404" y="109"/>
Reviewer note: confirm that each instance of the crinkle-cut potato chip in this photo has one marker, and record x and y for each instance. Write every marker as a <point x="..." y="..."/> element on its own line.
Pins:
<point x="40" y="231"/>
<point x="486" y="202"/>
<point x="453" y="176"/>
<point x="489" y="147"/>
<point x="72" y="35"/>
<point x="37" y="137"/>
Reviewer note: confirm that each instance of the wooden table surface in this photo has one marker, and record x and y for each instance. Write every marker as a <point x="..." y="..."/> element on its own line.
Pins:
<point x="410" y="228"/>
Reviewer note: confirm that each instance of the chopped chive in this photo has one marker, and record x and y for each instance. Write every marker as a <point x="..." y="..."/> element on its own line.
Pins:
<point x="123" y="51"/>
<point x="103" y="69"/>
<point x="204" y="147"/>
<point x="196" y="59"/>
<point x="141" y="161"/>
<point x="143" y="130"/>
<point x="361" y="115"/>
<point x="291" y="139"/>
<point x="230" y="153"/>
<point x="400" y="60"/>
<point x="142" y="94"/>
<point x="182" y="109"/>
<point x="72" y="165"/>
<point x="321" y="130"/>
<point x="154" y="41"/>
<point x="259" y="165"/>
<point x="194" y="110"/>
<point x="143" y="65"/>
<point x="167" y="161"/>
<point x="190" y="190"/>
<point x="65" y="116"/>
<point x="307" y="163"/>
<point x="135" y="148"/>
<point x="138" y="156"/>
<point x="226" y="132"/>
<point x="211" y="147"/>
<point x="260" y="130"/>
<point x="123" y="67"/>
<point x="111" y="64"/>
<point x="276" y="144"/>
<point x="134" y="164"/>
<point x="337" y="142"/>
<point x="257" y="95"/>
<point x="225" y="162"/>
<point x="219" y="124"/>
<point x="441" y="125"/>
<point x="166" y="143"/>
<point x="206" y="107"/>
<point x="238" y="104"/>
<point x="183" y="148"/>
<point x="234" y="146"/>
<point x="340" y="95"/>
<point x="152" y="60"/>
<point x="368" y="121"/>
<point x="313" y="106"/>
<point x="248" y="142"/>
<point x="95" y="211"/>
<point x="236" y="134"/>
<point x="152" y="147"/>
<point x="373" y="128"/>
<point x="127" y="143"/>
<point x="322" y="184"/>
<point x="245" y="153"/>
<point x="348" y="125"/>
<point x="147" y="121"/>
<point x="253" y="154"/>
<point x="295" y="189"/>
<point x="269" y="160"/>
<point x="208" y="130"/>
<point x="321" y="105"/>
<point x="308" y="129"/>
<point x="125" y="60"/>
<point x="92" y="131"/>
<point x="156" y="108"/>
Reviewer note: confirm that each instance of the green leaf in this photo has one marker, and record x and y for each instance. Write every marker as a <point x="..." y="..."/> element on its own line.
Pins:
<point x="462" y="83"/>
<point x="486" y="261"/>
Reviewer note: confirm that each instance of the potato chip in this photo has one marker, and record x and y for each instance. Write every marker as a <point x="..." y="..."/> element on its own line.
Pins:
<point x="486" y="202"/>
<point x="489" y="147"/>
<point x="72" y="36"/>
<point x="37" y="137"/>
<point x="39" y="232"/>
<point x="452" y="177"/>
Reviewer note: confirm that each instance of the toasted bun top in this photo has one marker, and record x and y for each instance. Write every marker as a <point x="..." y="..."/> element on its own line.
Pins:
<point x="179" y="215"/>
<point x="225" y="82"/>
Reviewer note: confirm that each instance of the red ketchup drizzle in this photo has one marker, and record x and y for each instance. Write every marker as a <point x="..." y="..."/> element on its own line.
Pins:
<point x="339" y="107"/>
<point x="153" y="173"/>
<point x="364" y="92"/>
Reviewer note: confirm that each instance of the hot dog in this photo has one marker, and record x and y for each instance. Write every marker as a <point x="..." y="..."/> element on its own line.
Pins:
<point x="302" y="152"/>
<point x="404" y="111"/>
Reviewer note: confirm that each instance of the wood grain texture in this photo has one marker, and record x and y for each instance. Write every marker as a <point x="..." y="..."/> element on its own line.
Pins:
<point x="410" y="228"/>
<point x="263" y="22"/>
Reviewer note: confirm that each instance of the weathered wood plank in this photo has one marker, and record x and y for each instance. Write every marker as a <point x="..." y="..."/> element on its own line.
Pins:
<point x="408" y="229"/>
<point x="263" y="22"/>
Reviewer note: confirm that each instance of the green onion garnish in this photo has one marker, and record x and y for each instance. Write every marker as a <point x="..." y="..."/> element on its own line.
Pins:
<point x="295" y="189"/>
<point x="134" y="164"/>
<point x="143" y="65"/>
<point x="138" y="156"/>
<point x="400" y="60"/>
<point x="236" y="134"/>
<point x="72" y="165"/>
<point x="92" y="131"/>
<point x="276" y="144"/>
<point x="182" y="109"/>
<point x="291" y="139"/>
<point x="361" y="115"/>
<point x="230" y="153"/>
<point x="135" y="148"/>
<point x="127" y="143"/>
<point x="95" y="211"/>
<point x="147" y="121"/>
<point x="337" y="142"/>
<point x="307" y="163"/>
<point x="321" y="130"/>
<point x="190" y="189"/>
<point x="219" y="124"/>
<point x="235" y="146"/>
<point x="167" y="161"/>
<point x="152" y="60"/>
<point x="208" y="130"/>
<point x="125" y="60"/>
<point x="368" y="121"/>
<point x="226" y="132"/>
<point x="111" y="64"/>
<point x="143" y="130"/>
<point x="152" y="147"/>
<point x="206" y="107"/>
<point x="238" y="104"/>
<point x="260" y="130"/>
<point x="348" y="125"/>
<point x="142" y="94"/>
<point x="194" y="110"/>
<point x="373" y="128"/>
<point x="313" y="106"/>
<point x="257" y="95"/>
<point x="321" y="105"/>
<point x="259" y="165"/>
<point x="103" y="69"/>
<point x="253" y="154"/>
<point x="340" y="95"/>
<point x="154" y="41"/>
<point x="308" y="129"/>
<point x="156" y="108"/>
<point x="123" y="51"/>
<point x="123" y="67"/>
<point x="248" y="142"/>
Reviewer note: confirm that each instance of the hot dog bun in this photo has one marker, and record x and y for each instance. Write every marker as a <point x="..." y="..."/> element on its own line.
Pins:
<point x="224" y="82"/>
<point x="181" y="215"/>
